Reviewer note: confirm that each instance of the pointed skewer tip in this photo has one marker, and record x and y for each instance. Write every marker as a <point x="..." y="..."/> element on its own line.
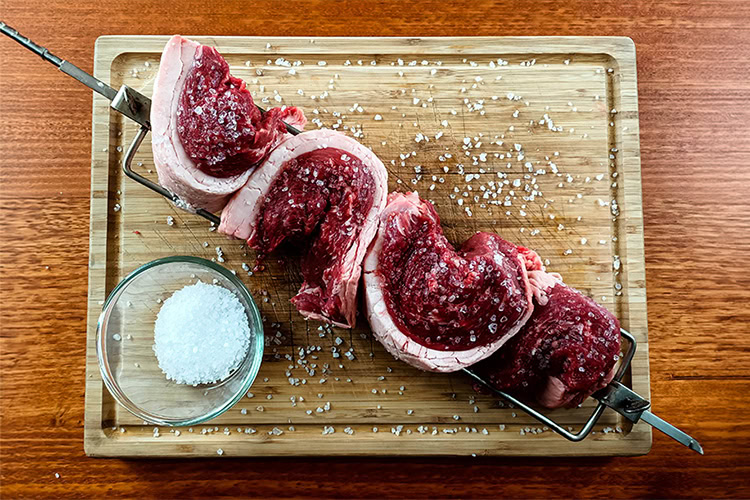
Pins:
<point x="695" y="446"/>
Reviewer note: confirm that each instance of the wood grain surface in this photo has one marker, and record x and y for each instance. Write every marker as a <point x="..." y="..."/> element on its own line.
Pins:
<point x="693" y="60"/>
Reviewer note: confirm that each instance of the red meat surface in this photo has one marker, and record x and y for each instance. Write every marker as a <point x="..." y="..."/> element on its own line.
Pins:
<point x="320" y="191"/>
<point x="437" y="307"/>
<point x="207" y="134"/>
<point x="218" y="123"/>
<point x="566" y="351"/>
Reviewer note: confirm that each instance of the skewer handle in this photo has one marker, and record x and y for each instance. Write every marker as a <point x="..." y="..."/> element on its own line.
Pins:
<point x="42" y="52"/>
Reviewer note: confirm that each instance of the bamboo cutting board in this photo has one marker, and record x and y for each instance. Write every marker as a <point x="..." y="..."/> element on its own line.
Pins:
<point x="555" y="117"/>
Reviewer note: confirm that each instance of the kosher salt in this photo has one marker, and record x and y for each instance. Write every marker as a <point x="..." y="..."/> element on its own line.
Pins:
<point x="201" y="334"/>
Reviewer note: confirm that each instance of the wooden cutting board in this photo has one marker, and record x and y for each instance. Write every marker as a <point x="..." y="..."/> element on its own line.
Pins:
<point x="568" y="105"/>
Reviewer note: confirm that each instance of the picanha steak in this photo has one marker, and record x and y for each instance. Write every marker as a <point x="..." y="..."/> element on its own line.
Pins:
<point x="324" y="191"/>
<point x="207" y="132"/>
<point x="565" y="352"/>
<point x="435" y="307"/>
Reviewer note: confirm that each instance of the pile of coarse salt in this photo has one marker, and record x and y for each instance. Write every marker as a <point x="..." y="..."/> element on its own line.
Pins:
<point x="201" y="334"/>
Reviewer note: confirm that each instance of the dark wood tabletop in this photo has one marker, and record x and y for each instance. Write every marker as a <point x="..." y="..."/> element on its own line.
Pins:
<point x="694" y="87"/>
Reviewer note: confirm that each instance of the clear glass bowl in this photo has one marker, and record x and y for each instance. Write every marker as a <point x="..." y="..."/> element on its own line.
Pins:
<point x="125" y="336"/>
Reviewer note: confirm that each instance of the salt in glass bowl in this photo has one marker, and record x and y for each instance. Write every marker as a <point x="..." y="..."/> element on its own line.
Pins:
<point x="125" y="339"/>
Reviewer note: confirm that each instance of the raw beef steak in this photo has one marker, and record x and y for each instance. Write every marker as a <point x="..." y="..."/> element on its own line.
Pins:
<point x="566" y="351"/>
<point x="323" y="190"/>
<point x="207" y="132"/>
<point x="435" y="307"/>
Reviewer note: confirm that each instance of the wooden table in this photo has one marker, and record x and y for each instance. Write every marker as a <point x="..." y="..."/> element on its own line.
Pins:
<point x="694" y="84"/>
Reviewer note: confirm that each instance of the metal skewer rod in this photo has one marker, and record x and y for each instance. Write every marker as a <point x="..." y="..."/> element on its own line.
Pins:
<point x="671" y="431"/>
<point x="66" y="67"/>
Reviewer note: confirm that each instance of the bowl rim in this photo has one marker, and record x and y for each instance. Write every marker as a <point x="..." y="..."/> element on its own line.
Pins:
<point x="254" y="318"/>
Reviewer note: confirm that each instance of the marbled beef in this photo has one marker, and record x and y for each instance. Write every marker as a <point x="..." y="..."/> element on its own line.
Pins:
<point x="207" y="132"/>
<point x="324" y="191"/>
<point x="435" y="307"/>
<point x="566" y="351"/>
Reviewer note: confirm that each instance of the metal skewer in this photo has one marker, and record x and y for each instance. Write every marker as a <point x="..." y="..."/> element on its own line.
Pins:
<point x="137" y="107"/>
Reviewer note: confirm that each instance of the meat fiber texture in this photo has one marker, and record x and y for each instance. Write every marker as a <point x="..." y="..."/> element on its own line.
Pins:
<point x="243" y="216"/>
<point x="477" y="298"/>
<point x="567" y="351"/>
<point x="176" y="170"/>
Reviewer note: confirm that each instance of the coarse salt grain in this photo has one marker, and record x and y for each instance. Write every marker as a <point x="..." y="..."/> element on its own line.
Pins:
<point x="201" y="334"/>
